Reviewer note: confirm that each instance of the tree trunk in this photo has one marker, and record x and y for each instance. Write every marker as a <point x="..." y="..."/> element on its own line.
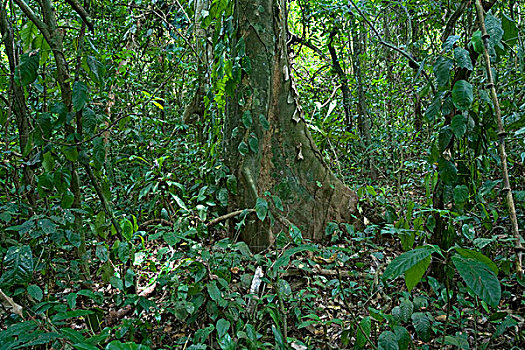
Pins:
<point x="364" y="121"/>
<point x="267" y="144"/>
<point x="18" y="101"/>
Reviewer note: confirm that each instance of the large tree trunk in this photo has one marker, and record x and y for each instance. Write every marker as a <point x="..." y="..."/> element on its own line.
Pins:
<point x="279" y="156"/>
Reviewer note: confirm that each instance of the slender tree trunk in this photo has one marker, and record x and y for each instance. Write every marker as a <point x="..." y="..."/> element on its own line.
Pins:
<point x="195" y="110"/>
<point x="267" y="144"/>
<point x="363" y="116"/>
<point x="18" y="102"/>
<point x="342" y="78"/>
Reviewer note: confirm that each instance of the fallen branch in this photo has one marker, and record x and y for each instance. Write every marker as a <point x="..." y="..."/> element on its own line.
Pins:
<point x="164" y="222"/>
<point x="228" y="216"/>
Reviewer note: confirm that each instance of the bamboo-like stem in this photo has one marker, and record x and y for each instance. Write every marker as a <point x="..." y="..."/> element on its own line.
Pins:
<point x="501" y="142"/>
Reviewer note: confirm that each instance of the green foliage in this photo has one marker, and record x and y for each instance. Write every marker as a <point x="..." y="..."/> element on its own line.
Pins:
<point x="432" y="143"/>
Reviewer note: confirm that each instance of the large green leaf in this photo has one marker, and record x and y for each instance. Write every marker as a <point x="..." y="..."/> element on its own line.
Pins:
<point x="222" y="327"/>
<point x="477" y="42"/>
<point x="510" y="30"/>
<point x="422" y="325"/>
<point x="387" y="341"/>
<point x="403" y="337"/>
<point x="442" y="69"/>
<point x="433" y="109"/>
<point x="448" y="171"/>
<point x="407" y="260"/>
<point x="18" y="266"/>
<point x="472" y="254"/>
<point x="462" y="95"/>
<point x="96" y="69"/>
<point x="363" y="332"/>
<point x="480" y="278"/>
<point x="26" y="71"/>
<point x="460" y="194"/>
<point x="494" y="29"/>
<point x="458" y="125"/>
<point x="80" y="95"/>
<point x="414" y="274"/>
<point x="462" y="58"/>
<point x="449" y="43"/>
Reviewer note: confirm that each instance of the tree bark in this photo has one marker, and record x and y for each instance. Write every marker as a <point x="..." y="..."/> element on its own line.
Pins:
<point x="18" y="101"/>
<point x="282" y="158"/>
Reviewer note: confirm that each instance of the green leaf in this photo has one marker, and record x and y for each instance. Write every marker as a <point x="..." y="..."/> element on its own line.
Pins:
<point x="458" y="125"/>
<point x="47" y="226"/>
<point x="477" y="42"/>
<point x="432" y="111"/>
<point x="475" y="255"/>
<point x="215" y="294"/>
<point x="480" y="278"/>
<point x="363" y="332"/>
<point x="243" y="148"/>
<point x="444" y="137"/>
<point x="71" y="314"/>
<point x="179" y="202"/>
<point x="402" y="336"/>
<point x="84" y="346"/>
<point x="387" y="341"/>
<point x="45" y="125"/>
<point x="448" y="171"/>
<point x="510" y="30"/>
<point x="508" y="322"/>
<point x="222" y="327"/>
<point x="70" y="152"/>
<point x="264" y="122"/>
<point x="49" y="162"/>
<point x="407" y="260"/>
<point x="460" y="341"/>
<point x="117" y="345"/>
<point x="449" y="42"/>
<point x="247" y="119"/>
<point x="414" y="274"/>
<point x="18" y="266"/>
<point x="494" y="29"/>
<point x="261" y="208"/>
<point x="26" y="71"/>
<point x="422" y="326"/>
<point x="462" y="95"/>
<point x="28" y="32"/>
<point x="460" y="195"/>
<point x="67" y="199"/>
<point x="253" y="141"/>
<point x="462" y="58"/>
<point x="442" y="69"/>
<point x="96" y="69"/>
<point x="35" y="292"/>
<point x="278" y="337"/>
<point x="123" y="251"/>
<point x="116" y="283"/>
<point x="406" y="308"/>
<point x="80" y="95"/>
<point x="127" y="229"/>
<point x="278" y="203"/>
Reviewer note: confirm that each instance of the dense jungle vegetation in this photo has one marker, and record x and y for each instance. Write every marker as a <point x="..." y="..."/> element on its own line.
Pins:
<point x="264" y="174"/>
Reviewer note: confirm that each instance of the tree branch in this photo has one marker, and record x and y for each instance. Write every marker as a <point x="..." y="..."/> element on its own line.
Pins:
<point x="387" y="44"/>
<point x="453" y="19"/>
<point x="294" y="39"/>
<point x="82" y="13"/>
